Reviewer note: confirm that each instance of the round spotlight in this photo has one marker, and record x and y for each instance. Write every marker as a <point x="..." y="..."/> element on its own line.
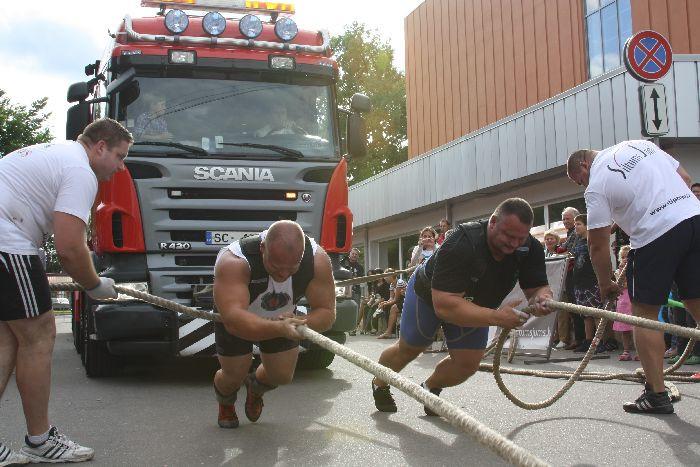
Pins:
<point x="286" y="29"/>
<point x="176" y="21"/>
<point x="250" y="26"/>
<point x="214" y="23"/>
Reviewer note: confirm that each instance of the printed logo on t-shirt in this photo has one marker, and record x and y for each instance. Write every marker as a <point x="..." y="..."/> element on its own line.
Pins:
<point x="624" y="164"/>
<point x="271" y="301"/>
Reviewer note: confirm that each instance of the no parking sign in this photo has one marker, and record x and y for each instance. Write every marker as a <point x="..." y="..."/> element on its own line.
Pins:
<point x="648" y="56"/>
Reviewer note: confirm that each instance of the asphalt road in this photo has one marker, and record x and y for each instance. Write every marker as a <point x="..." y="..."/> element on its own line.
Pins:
<point x="165" y="414"/>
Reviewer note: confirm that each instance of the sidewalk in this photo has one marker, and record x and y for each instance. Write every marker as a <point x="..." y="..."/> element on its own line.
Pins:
<point x="63" y="325"/>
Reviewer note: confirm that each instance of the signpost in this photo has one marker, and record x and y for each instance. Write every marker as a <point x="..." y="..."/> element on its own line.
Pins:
<point x="648" y="57"/>
<point x="654" y="115"/>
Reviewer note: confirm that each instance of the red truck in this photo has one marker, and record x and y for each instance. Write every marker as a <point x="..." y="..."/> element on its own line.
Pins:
<point x="236" y="124"/>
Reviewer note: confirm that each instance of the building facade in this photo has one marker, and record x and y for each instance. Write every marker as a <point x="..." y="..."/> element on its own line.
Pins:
<point x="499" y="93"/>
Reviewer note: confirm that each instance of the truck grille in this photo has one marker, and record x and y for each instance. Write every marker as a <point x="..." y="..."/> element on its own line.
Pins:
<point x="230" y="215"/>
<point x="227" y="193"/>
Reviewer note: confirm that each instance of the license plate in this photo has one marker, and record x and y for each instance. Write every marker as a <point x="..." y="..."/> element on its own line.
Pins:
<point x="222" y="237"/>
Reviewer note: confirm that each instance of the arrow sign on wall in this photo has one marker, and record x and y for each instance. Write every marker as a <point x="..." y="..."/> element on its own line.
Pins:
<point x="654" y="116"/>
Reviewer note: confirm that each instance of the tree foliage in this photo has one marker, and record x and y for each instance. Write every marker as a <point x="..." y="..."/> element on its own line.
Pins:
<point x="366" y="66"/>
<point x="22" y="126"/>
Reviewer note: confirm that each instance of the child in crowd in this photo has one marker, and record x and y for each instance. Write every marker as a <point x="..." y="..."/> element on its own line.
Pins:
<point x="624" y="306"/>
<point x="585" y="281"/>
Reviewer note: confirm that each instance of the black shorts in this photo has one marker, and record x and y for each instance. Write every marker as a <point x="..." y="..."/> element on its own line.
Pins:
<point x="674" y="256"/>
<point x="228" y="345"/>
<point x="24" y="287"/>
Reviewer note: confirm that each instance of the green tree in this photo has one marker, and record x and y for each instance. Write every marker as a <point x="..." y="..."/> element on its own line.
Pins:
<point x="22" y="126"/>
<point x="366" y="66"/>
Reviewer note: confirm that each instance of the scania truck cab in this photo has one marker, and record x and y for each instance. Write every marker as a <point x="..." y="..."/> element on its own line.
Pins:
<point x="236" y="124"/>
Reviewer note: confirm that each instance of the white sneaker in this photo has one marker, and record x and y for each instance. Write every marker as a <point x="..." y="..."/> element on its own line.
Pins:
<point x="10" y="457"/>
<point x="56" y="449"/>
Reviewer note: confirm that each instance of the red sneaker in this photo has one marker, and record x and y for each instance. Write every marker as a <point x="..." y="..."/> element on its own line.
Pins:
<point x="227" y="416"/>
<point x="253" y="402"/>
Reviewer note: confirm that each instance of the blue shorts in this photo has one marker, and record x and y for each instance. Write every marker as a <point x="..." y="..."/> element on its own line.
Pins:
<point x="419" y="325"/>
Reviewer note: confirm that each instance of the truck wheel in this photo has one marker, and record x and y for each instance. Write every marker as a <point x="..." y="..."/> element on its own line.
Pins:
<point x="315" y="359"/>
<point x="96" y="359"/>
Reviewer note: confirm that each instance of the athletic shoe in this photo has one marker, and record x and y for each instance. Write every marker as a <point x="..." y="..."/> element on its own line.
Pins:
<point x="650" y="402"/>
<point x="253" y="402"/>
<point x="673" y="360"/>
<point x="692" y="360"/>
<point x="435" y="391"/>
<point x="9" y="457"/>
<point x="671" y="352"/>
<point x="56" y="449"/>
<point x="227" y="416"/>
<point x="383" y="399"/>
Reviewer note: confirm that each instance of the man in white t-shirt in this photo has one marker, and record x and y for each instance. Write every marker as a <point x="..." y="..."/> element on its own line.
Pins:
<point x="647" y="193"/>
<point x="257" y="283"/>
<point x="44" y="189"/>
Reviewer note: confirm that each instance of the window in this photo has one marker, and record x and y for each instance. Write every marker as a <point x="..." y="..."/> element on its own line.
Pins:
<point x="555" y="210"/>
<point x="608" y="26"/>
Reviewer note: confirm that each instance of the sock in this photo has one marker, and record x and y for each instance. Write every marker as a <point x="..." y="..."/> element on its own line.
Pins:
<point x="226" y="400"/>
<point x="258" y="388"/>
<point x="39" y="439"/>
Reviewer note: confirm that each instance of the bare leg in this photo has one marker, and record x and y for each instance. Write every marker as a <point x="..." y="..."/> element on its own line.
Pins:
<point x="8" y="355"/>
<point x="650" y="346"/>
<point x="455" y="368"/>
<point x="393" y="313"/>
<point x="590" y="327"/>
<point x="232" y="373"/>
<point x="277" y="368"/>
<point x="35" y="340"/>
<point x="397" y="356"/>
<point x="627" y="340"/>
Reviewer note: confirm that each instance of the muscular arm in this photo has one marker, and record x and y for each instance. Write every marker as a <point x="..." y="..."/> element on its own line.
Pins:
<point x="72" y="250"/>
<point x="320" y="294"/>
<point x="599" y="250"/>
<point x="455" y="309"/>
<point x="231" y="278"/>
<point x="684" y="175"/>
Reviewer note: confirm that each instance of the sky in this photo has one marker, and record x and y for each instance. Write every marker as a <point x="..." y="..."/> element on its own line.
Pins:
<point x="44" y="46"/>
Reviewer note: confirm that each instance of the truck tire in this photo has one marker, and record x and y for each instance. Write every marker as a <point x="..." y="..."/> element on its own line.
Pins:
<point x="75" y="327"/>
<point x="96" y="359"/>
<point x="317" y="358"/>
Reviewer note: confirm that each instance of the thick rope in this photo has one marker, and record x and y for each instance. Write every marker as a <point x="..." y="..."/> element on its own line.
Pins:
<point x="500" y="445"/>
<point x="493" y="440"/>
<point x="148" y="298"/>
<point x="373" y="277"/>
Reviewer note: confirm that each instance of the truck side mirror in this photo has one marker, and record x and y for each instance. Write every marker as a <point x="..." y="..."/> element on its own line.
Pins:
<point x="360" y="103"/>
<point x="77" y="119"/>
<point x="78" y="92"/>
<point x="357" y="136"/>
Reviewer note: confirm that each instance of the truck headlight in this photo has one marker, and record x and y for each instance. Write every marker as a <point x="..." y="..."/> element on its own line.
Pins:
<point x="214" y="23"/>
<point x="176" y="21"/>
<point x="250" y="26"/>
<point x="286" y="29"/>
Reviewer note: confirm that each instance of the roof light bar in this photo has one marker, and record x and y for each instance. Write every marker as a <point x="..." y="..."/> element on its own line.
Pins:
<point x="231" y="6"/>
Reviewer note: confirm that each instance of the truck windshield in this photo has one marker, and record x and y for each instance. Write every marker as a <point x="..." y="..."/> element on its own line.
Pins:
<point x="233" y="117"/>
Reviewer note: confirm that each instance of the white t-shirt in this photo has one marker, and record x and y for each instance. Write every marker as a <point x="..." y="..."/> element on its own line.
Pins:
<point x="636" y="185"/>
<point x="278" y="298"/>
<point x="36" y="181"/>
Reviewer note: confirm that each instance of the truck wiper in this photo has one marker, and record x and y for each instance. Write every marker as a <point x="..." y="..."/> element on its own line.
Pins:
<point x="280" y="149"/>
<point x="185" y="147"/>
